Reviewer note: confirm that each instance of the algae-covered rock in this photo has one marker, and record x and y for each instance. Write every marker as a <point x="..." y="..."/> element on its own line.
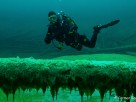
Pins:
<point x="87" y="73"/>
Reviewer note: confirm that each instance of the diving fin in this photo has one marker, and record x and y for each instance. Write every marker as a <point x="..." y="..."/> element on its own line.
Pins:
<point x="99" y="27"/>
<point x="110" y="24"/>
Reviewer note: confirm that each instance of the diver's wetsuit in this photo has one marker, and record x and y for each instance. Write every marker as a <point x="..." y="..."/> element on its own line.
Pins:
<point x="65" y="30"/>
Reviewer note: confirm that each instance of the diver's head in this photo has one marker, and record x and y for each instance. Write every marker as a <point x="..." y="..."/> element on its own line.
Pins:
<point x="52" y="17"/>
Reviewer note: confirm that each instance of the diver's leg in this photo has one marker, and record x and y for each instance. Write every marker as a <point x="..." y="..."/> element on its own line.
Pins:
<point x="82" y="39"/>
<point x="92" y="42"/>
<point x="77" y="46"/>
<point x="97" y="31"/>
<point x="72" y="41"/>
<point x="94" y="37"/>
<point x="89" y="43"/>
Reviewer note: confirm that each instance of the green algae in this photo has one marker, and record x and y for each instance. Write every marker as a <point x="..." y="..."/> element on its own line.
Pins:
<point x="86" y="75"/>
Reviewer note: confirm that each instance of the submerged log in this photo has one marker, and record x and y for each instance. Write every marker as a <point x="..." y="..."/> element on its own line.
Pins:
<point x="86" y="75"/>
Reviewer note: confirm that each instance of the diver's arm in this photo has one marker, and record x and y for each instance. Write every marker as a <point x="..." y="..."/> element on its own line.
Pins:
<point x="49" y="36"/>
<point x="46" y="39"/>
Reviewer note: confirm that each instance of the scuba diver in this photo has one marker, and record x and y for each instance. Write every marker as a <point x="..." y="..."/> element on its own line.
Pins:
<point x="64" y="30"/>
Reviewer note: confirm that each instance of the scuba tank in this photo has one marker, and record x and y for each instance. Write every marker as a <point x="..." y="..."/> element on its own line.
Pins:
<point x="61" y="14"/>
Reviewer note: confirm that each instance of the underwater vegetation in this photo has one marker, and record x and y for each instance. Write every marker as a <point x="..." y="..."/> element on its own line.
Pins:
<point x="83" y="75"/>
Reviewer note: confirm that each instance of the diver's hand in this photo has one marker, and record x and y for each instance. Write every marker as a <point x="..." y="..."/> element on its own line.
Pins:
<point x="59" y="46"/>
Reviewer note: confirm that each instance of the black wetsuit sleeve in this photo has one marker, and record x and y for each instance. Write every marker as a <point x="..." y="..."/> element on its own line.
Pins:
<point x="49" y="36"/>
